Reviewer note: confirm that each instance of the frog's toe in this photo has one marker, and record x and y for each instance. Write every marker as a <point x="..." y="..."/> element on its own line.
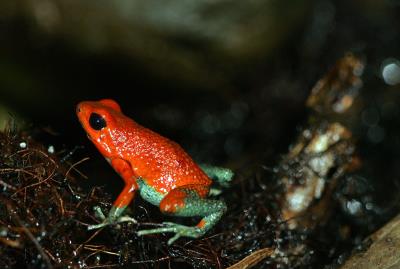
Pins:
<point x="184" y="231"/>
<point x="173" y="224"/>
<point x="99" y="213"/>
<point x="178" y="229"/>
<point x="156" y="231"/>
<point x="174" y="238"/>
<point x="98" y="226"/>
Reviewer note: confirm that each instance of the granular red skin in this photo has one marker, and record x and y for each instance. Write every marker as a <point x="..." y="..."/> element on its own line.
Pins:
<point x="162" y="163"/>
<point x="172" y="203"/>
<point x="175" y="200"/>
<point x="201" y="224"/>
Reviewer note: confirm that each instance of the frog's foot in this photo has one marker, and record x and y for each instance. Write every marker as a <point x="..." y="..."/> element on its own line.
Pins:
<point x="179" y="230"/>
<point x="188" y="201"/>
<point x="113" y="218"/>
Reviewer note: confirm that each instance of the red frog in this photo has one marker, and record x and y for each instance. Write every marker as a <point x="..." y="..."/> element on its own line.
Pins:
<point x="158" y="168"/>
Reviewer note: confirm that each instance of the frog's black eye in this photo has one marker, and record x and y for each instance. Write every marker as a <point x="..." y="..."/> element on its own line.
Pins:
<point x="97" y="122"/>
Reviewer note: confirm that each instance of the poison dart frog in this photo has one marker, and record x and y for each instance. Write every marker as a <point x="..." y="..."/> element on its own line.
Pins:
<point x="156" y="167"/>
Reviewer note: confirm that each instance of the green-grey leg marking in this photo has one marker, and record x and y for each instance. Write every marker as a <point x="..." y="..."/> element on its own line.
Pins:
<point x="221" y="175"/>
<point x="114" y="216"/>
<point x="148" y="193"/>
<point x="210" y="210"/>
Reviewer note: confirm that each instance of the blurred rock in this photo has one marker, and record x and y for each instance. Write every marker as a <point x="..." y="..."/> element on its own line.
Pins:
<point x="203" y="42"/>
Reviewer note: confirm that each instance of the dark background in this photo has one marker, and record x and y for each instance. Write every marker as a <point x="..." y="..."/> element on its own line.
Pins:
<point x="225" y="79"/>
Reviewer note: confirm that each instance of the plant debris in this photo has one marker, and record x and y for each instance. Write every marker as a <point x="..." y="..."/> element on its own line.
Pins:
<point x="324" y="152"/>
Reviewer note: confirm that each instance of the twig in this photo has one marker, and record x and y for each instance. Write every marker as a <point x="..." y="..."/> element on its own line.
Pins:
<point x="75" y="164"/>
<point x="6" y="185"/>
<point x="253" y="259"/>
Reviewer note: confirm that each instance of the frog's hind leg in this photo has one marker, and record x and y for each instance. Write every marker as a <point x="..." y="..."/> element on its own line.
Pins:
<point x="219" y="174"/>
<point x="189" y="201"/>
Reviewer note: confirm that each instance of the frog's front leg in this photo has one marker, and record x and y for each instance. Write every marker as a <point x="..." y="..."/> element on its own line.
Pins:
<point x="189" y="201"/>
<point x="123" y="168"/>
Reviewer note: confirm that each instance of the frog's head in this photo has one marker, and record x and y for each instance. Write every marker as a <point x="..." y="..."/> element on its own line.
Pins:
<point x="102" y="121"/>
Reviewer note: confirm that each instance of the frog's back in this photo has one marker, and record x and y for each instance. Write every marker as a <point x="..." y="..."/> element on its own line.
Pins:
<point x="162" y="163"/>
